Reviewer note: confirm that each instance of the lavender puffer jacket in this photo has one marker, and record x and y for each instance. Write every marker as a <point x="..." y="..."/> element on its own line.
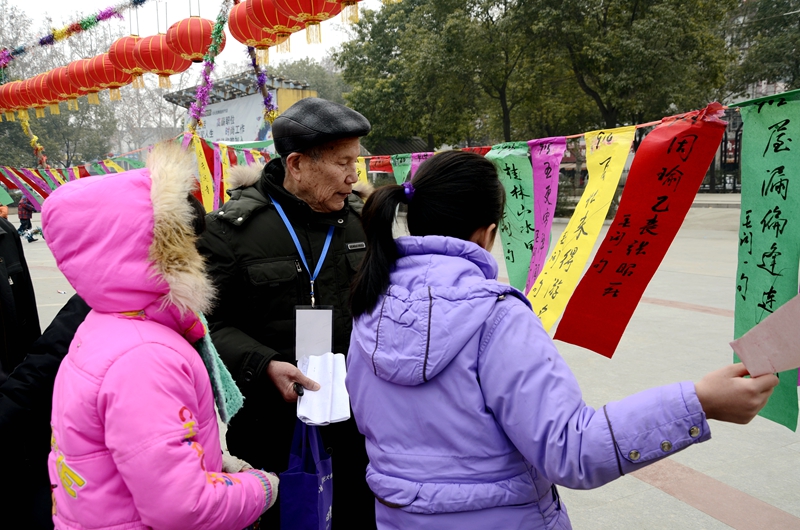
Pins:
<point x="471" y="415"/>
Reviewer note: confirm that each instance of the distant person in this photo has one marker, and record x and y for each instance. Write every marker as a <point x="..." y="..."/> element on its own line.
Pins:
<point x="135" y="441"/>
<point x="471" y="415"/>
<point x="25" y="211"/>
<point x="3" y="211"/>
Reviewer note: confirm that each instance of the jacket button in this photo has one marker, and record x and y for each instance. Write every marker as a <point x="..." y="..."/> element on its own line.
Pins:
<point x="240" y="219"/>
<point x="248" y="375"/>
<point x="340" y="221"/>
<point x="220" y="212"/>
<point x="666" y="446"/>
<point x="694" y="432"/>
<point x="634" y="455"/>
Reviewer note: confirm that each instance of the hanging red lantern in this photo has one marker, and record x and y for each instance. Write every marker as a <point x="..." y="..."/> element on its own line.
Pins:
<point x="58" y="81"/>
<point x="120" y="53"/>
<point x="78" y="76"/>
<point x="310" y="13"/>
<point x="153" y="55"/>
<point x="191" y="37"/>
<point x="106" y="75"/>
<point x="266" y="16"/>
<point x="7" y="100"/>
<point x="44" y="93"/>
<point x="249" y="34"/>
<point x="349" y="10"/>
<point x="24" y="98"/>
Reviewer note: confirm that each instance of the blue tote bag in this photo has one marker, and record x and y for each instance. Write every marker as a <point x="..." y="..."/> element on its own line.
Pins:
<point x="306" y="492"/>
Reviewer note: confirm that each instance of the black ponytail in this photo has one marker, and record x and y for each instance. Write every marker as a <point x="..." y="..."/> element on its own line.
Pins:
<point x="372" y="278"/>
<point x="453" y="194"/>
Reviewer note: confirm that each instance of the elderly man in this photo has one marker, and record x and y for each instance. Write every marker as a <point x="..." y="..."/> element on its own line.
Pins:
<point x="291" y="236"/>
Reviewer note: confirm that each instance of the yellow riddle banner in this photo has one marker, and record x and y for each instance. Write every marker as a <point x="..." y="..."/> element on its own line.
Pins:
<point x="226" y="173"/>
<point x="206" y="182"/>
<point x="606" y="154"/>
<point x="361" y="169"/>
<point x="113" y="165"/>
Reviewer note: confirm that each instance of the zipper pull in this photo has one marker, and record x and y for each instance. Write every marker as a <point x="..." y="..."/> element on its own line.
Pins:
<point x="297" y="266"/>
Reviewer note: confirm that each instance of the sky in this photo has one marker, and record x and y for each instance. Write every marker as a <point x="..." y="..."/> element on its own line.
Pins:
<point x="158" y="15"/>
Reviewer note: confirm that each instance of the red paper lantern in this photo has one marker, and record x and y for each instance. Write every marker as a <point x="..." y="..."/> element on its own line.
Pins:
<point x="7" y="100"/>
<point x="106" y="75"/>
<point x="78" y="76"/>
<point x="250" y="34"/>
<point x="44" y="96"/>
<point x="58" y="81"/>
<point x="310" y="13"/>
<point x="121" y="55"/>
<point x="153" y="55"/>
<point x="191" y="37"/>
<point x="266" y="16"/>
<point x="23" y="97"/>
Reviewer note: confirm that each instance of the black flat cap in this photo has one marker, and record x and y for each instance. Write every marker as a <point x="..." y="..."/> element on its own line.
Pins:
<point x="314" y="121"/>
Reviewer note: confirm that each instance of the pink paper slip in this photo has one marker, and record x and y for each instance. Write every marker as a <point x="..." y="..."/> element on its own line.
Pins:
<point x="773" y="345"/>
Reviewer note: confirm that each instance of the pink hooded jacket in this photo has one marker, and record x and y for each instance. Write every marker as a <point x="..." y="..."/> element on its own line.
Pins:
<point x="135" y="438"/>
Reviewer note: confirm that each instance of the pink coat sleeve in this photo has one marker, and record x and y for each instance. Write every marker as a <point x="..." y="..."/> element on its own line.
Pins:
<point x="154" y="430"/>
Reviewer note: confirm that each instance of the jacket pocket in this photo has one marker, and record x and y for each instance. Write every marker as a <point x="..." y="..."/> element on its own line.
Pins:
<point x="354" y="260"/>
<point x="273" y="274"/>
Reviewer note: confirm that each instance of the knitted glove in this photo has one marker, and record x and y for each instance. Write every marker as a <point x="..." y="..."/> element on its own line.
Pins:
<point x="270" y="483"/>
<point x="231" y="464"/>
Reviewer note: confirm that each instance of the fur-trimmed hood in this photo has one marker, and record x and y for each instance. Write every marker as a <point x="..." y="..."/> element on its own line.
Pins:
<point x="125" y="241"/>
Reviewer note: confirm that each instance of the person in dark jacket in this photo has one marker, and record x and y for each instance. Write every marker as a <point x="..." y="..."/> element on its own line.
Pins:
<point x="25" y="404"/>
<point x="19" y="319"/>
<point x="261" y="279"/>
<point x="25" y="211"/>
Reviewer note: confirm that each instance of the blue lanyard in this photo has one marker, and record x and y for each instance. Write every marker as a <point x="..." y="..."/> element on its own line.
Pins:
<point x="300" y="249"/>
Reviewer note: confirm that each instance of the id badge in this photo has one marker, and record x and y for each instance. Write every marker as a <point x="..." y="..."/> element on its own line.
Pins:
<point x="313" y="331"/>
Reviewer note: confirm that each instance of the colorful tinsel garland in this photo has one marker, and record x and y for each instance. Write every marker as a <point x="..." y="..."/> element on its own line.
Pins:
<point x="55" y="35"/>
<point x="198" y="108"/>
<point x="38" y="149"/>
<point x="270" y="109"/>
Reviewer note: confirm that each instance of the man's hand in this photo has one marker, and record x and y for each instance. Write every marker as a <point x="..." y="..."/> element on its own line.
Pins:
<point x="285" y="375"/>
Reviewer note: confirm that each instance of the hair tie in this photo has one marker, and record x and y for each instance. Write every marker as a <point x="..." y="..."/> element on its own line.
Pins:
<point x="409" y="190"/>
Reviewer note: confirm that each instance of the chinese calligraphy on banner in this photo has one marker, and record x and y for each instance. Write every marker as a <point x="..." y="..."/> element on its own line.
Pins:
<point x="769" y="232"/>
<point x="606" y="154"/>
<point x="416" y="160"/>
<point x="667" y="171"/>
<point x="361" y="170"/>
<point x="401" y="166"/>
<point x="546" y="155"/>
<point x="517" y="226"/>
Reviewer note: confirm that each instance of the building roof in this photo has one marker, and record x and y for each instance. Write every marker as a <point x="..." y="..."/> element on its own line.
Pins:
<point x="235" y="86"/>
<point x="394" y="146"/>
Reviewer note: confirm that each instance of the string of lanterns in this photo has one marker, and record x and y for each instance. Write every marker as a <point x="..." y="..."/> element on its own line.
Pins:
<point x="260" y="24"/>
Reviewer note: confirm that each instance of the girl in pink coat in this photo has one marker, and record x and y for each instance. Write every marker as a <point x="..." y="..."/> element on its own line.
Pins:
<point x="135" y="439"/>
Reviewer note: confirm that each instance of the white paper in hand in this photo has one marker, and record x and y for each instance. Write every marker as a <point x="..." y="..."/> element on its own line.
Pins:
<point x="331" y="403"/>
<point x="773" y="345"/>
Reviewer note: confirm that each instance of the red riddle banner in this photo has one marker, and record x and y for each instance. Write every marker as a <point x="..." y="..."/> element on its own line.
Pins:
<point x="666" y="173"/>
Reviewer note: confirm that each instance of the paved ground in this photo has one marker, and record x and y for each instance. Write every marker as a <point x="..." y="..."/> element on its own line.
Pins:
<point x="746" y="477"/>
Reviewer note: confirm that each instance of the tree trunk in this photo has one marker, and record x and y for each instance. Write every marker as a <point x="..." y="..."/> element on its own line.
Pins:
<point x="431" y="146"/>
<point x="506" y="114"/>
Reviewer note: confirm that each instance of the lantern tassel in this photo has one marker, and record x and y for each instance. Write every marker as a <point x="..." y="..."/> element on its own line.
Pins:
<point x="23" y="114"/>
<point x="164" y="82"/>
<point x="138" y="82"/>
<point x="55" y="110"/>
<point x="313" y="33"/>
<point x="114" y="95"/>
<point x="284" y="46"/>
<point x="262" y="56"/>
<point x="1" y="119"/>
<point x="10" y="116"/>
<point x="39" y="112"/>
<point x="93" y="99"/>
<point x="349" y="12"/>
<point x="72" y="104"/>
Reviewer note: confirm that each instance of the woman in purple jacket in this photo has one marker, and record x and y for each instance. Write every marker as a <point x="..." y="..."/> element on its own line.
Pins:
<point x="470" y="414"/>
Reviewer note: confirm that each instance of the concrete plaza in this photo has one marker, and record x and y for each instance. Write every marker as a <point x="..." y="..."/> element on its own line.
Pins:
<point x="746" y="477"/>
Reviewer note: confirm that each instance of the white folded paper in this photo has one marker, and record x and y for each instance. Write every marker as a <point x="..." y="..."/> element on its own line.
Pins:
<point x="331" y="403"/>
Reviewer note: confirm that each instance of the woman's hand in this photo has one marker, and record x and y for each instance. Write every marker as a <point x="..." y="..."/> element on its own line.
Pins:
<point x="726" y="395"/>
